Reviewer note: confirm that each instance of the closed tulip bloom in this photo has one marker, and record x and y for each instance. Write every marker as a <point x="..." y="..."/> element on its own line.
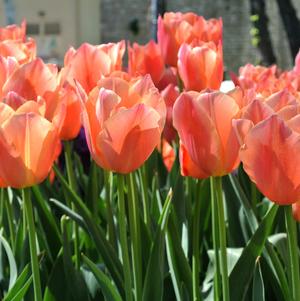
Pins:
<point x="174" y="29"/>
<point x="271" y="158"/>
<point x="27" y="145"/>
<point x="123" y="121"/>
<point x="204" y="125"/>
<point x="170" y="94"/>
<point x="201" y="67"/>
<point x="89" y="63"/>
<point x="146" y="59"/>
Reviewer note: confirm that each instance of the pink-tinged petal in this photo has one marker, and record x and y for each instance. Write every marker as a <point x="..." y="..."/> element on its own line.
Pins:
<point x="200" y="67"/>
<point x="256" y="111"/>
<point x="271" y="158"/>
<point x="27" y="149"/>
<point x="5" y="112"/>
<point x="294" y="123"/>
<point x="198" y="133"/>
<point x="296" y="211"/>
<point x="297" y="63"/>
<point x="188" y="167"/>
<point x="120" y="87"/>
<point x="13" y="32"/>
<point x="280" y="99"/>
<point x="288" y="112"/>
<point x="106" y="103"/>
<point x="168" y="155"/>
<point x="128" y="149"/>
<point x="31" y="80"/>
<point x="241" y="128"/>
<point x="146" y="59"/>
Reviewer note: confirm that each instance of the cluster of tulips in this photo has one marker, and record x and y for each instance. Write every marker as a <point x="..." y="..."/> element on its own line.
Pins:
<point x="168" y="112"/>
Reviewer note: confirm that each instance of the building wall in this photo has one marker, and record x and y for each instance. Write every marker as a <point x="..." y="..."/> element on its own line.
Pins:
<point x="72" y="21"/>
<point x="238" y="50"/>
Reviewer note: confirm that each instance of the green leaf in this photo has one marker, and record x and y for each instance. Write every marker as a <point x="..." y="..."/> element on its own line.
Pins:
<point x="19" y="284"/>
<point x="154" y="279"/>
<point x="75" y="281"/>
<point x="243" y="270"/>
<point x="109" y="291"/>
<point x="104" y="248"/>
<point x="22" y="291"/>
<point x="258" y="290"/>
<point x="69" y="212"/>
<point x="13" y="272"/>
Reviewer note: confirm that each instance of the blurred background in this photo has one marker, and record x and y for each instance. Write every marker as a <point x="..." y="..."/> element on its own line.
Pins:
<point x="255" y="31"/>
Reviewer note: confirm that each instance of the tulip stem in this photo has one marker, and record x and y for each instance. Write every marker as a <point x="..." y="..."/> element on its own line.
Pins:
<point x="145" y="197"/>
<point x="32" y="244"/>
<point x="10" y="219"/>
<point x="123" y="238"/>
<point x="215" y="229"/>
<point x="195" y="258"/>
<point x="72" y="183"/>
<point x="108" y="179"/>
<point x="135" y="231"/>
<point x="291" y="230"/>
<point x="222" y="237"/>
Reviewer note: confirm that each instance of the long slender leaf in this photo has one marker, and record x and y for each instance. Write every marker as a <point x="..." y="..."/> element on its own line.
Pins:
<point x="153" y="286"/>
<point x="13" y="272"/>
<point x="20" y="282"/>
<point x="243" y="270"/>
<point x="109" y="291"/>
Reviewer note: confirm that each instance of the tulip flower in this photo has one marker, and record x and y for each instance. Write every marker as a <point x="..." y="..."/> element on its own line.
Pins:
<point x="89" y="63"/>
<point x="204" y="125"/>
<point x="23" y="52"/>
<point x="170" y="94"/>
<point x="271" y="156"/>
<point x="28" y="144"/>
<point x="174" y="29"/>
<point x="13" y="32"/>
<point x="144" y="60"/>
<point x="41" y="82"/>
<point x="134" y="106"/>
<point x="201" y="67"/>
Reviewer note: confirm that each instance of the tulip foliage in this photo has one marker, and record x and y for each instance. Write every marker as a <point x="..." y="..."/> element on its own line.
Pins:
<point x="155" y="181"/>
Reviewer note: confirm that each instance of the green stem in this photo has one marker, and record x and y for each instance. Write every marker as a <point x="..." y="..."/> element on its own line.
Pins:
<point x="222" y="237"/>
<point x="32" y="243"/>
<point x="108" y="178"/>
<point x="291" y="230"/>
<point x="215" y="229"/>
<point x="72" y="183"/>
<point x="10" y="219"/>
<point x="195" y="258"/>
<point x="145" y="198"/>
<point x="135" y="236"/>
<point x="1" y="205"/>
<point x="123" y="238"/>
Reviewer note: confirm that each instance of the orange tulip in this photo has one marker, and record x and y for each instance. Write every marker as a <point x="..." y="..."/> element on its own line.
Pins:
<point x="41" y="82"/>
<point x="23" y="52"/>
<point x="204" y="125"/>
<point x="296" y="211"/>
<point x="123" y="121"/>
<point x="27" y="145"/>
<point x="170" y="94"/>
<point x="174" y="29"/>
<point x="168" y="154"/>
<point x="89" y="63"/>
<point x="146" y="59"/>
<point x="13" y="32"/>
<point x="201" y="67"/>
<point x="271" y="157"/>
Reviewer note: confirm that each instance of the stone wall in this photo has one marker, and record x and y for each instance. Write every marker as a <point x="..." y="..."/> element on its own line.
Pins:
<point x="117" y="15"/>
